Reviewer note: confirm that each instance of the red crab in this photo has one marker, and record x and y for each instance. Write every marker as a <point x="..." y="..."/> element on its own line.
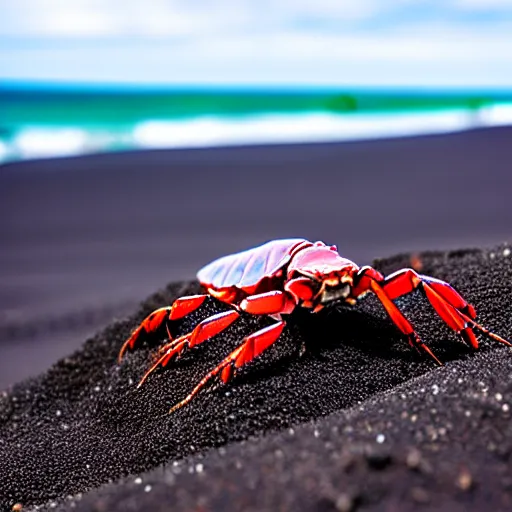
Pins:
<point x="279" y="276"/>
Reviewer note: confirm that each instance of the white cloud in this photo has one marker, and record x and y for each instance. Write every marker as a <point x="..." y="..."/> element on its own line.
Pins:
<point x="329" y="10"/>
<point x="252" y="41"/>
<point x="449" y="58"/>
<point x="93" y="18"/>
<point x="100" y="18"/>
<point x="484" y="5"/>
<point x="206" y="18"/>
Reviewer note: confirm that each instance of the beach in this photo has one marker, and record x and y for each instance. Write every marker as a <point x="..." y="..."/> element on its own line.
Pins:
<point x="87" y="239"/>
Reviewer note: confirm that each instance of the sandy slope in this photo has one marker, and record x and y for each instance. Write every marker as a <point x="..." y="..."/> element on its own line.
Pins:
<point x="391" y="430"/>
<point x="84" y="239"/>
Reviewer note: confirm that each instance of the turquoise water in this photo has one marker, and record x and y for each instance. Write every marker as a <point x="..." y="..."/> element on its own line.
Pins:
<point x="41" y="120"/>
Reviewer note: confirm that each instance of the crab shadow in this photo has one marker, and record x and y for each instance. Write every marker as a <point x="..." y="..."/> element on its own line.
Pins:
<point x="361" y="334"/>
<point x="355" y="337"/>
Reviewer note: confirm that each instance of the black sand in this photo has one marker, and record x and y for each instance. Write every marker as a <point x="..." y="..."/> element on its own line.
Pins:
<point x="84" y="239"/>
<point x="392" y="430"/>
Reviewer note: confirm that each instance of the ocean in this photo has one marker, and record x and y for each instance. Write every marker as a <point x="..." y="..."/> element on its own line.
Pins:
<point x="48" y="120"/>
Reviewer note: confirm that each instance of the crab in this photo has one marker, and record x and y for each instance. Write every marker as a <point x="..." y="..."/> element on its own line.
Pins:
<point x="280" y="276"/>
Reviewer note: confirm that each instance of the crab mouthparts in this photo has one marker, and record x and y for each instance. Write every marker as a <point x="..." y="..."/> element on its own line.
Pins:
<point x="330" y="294"/>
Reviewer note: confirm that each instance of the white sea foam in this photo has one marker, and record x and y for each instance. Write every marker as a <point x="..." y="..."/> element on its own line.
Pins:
<point x="4" y="152"/>
<point x="46" y="142"/>
<point x="497" y="115"/>
<point x="41" y="141"/>
<point x="279" y="128"/>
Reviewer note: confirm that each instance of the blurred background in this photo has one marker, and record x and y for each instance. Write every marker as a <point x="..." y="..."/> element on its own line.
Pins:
<point x="90" y="75"/>
<point x="140" y="140"/>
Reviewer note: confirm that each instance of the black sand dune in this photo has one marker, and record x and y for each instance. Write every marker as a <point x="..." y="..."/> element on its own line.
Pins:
<point x="390" y="431"/>
<point x="84" y="239"/>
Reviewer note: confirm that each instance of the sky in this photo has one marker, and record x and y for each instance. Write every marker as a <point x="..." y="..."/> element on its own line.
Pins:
<point x="447" y="43"/>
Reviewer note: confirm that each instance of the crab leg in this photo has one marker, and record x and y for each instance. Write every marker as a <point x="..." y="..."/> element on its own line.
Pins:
<point x="203" y="331"/>
<point x="400" y="321"/>
<point x="270" y="303"/>
<point x="449" y="305"/>
<point x="252" y="346"/>
<point x="180" y="308"/>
